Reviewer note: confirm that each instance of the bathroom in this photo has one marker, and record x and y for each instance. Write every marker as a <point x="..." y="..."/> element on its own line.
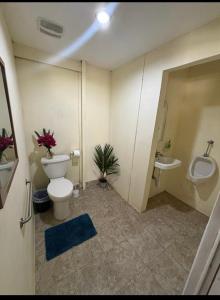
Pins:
<point x="155" y="93"/>
<point x="190" y="119"/>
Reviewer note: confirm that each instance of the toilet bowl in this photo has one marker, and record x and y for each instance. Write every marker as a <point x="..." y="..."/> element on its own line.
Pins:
<point x="60" y="189"/>
<point x="201" y="169"/>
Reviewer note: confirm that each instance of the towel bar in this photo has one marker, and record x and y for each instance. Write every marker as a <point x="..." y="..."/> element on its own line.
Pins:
<point x="29" y="216"/>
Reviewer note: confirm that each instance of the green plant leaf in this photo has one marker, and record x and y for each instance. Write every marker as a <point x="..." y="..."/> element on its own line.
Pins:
<point x="105" y="160"/>
<point x="4" y="133"/>
<point x="38" y="135"/>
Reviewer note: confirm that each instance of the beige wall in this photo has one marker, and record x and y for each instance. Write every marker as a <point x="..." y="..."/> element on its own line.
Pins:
<point x="96" y="123"/>
<point x="126" y="89"/>
<point x="168" y="124"/>
<point x="199" y="122"/>
<point x="57" y="91"/>
<point x="200" y="44"/>
<point x="37" y="55"/>
<point x="50" y="99"/>
<point x="17" y="246"/>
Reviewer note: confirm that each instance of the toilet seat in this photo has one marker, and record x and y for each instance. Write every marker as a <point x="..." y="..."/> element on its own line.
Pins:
<point x="60" y="188"/>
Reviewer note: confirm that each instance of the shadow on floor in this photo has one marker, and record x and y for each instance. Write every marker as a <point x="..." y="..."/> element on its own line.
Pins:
<point x="166" y="199"/>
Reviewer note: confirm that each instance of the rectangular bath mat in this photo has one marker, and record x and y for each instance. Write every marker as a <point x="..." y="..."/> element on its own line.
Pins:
<point x="62" y="237"/>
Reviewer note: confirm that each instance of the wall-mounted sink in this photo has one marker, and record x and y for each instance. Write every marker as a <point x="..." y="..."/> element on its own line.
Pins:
<point x="166" y="163"/>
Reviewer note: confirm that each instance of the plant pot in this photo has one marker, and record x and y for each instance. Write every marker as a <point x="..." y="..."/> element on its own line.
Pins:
<point x="103" y="183"/>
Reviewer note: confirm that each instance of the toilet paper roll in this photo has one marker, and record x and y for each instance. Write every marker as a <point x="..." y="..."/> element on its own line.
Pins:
<point x="76" y="152"/>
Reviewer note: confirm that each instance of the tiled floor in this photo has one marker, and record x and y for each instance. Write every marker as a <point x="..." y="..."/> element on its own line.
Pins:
<point x="132" y="253"/>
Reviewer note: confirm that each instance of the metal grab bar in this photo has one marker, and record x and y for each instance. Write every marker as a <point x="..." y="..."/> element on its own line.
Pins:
<point x="26" y="219"/>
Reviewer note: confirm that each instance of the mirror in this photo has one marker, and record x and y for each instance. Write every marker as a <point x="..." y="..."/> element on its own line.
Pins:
<point x="8" y="149"/>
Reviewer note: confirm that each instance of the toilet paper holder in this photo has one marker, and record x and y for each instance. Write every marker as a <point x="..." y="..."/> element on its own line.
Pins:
<point x="75" y="153"/>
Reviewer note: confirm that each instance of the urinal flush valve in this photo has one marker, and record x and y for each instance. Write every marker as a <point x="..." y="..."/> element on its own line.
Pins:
<point x="210" y="144"/>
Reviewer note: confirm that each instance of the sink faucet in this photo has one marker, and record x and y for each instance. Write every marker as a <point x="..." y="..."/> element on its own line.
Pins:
<point x="158" y="154"/>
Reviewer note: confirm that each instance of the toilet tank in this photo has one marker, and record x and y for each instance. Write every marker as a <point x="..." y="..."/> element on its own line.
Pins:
<point x="55" y="167"/>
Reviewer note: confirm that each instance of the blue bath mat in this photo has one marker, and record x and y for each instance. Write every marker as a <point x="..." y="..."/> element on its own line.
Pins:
<point x="62" y="237"/>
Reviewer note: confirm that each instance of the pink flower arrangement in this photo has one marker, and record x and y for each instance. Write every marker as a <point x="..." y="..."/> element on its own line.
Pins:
<point x="5" y="142"/>
<point x="46" y="139"/>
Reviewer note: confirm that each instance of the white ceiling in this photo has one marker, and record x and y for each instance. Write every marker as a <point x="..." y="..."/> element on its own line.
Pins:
<point x="136" y="27"/>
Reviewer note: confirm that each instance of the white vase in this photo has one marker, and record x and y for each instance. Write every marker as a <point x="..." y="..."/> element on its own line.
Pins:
<point x="49" y="155"/>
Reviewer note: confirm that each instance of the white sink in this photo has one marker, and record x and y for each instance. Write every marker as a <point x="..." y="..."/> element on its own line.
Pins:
<point x="166" y="163"/>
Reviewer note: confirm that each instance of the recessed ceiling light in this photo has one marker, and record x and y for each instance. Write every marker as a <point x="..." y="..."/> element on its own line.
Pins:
<point x="103" y="17"/>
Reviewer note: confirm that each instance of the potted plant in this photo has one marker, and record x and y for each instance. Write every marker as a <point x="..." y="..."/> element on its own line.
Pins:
<point x="5" y="142"/>
<point x="47" y="140"/>
<point x="106" y="161"/>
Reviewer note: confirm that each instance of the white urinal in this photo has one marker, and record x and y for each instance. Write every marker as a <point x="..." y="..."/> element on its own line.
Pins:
<point x="201" y="169"/>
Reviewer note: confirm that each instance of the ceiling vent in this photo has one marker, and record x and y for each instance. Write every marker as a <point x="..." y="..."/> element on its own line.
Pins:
<point x="50" y="28"/>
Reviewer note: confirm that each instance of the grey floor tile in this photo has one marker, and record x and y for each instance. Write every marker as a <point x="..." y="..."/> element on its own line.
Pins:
<point x="146" y="246"/>
<point x="132" y="253"/>
<point x="182" y="254"/>
<point x="143" y="283"/>
<point x="163" y="233"/>
<point x="168" y="273"/>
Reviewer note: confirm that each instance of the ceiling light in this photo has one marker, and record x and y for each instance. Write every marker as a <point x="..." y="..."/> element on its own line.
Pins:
<point x="103" y="17"/>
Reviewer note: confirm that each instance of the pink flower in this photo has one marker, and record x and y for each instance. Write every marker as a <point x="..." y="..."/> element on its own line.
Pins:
<point x="47" y="140"/>
<point x="6" y="142"/>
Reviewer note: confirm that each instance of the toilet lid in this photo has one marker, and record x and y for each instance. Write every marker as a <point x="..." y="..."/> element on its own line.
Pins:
<point x="60" y="187"/>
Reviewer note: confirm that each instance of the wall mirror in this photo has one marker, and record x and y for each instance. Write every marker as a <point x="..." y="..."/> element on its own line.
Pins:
<point x="8" y="149"/>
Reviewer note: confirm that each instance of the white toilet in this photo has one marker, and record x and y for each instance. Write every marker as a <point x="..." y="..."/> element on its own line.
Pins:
<point x="201" y="169"/>
<point x="60" y="189"/>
